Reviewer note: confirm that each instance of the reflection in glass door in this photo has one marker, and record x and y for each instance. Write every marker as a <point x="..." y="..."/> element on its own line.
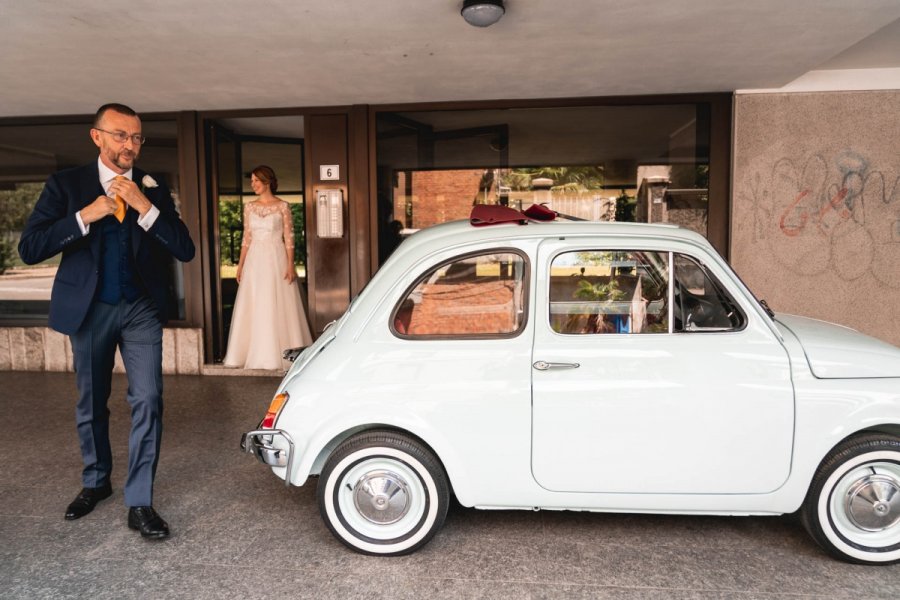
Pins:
<point x="234" y="155"/>
<point x="647" y="163"/>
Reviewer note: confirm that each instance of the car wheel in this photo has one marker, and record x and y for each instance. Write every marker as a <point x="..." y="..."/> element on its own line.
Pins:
<point x="852" y="509"/>
<point x="383" y="493"/>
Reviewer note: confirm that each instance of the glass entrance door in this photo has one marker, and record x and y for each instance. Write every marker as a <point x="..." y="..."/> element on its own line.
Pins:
<point x="647" y="163"/>
<point x="235" y="150"/>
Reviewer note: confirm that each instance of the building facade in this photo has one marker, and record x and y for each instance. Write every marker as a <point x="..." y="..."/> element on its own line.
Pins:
<point x="798" y="187"/>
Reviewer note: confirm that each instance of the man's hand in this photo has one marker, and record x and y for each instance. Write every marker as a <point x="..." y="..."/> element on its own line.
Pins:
<point x="128" y="191"/>
<point x="96" y="210"/>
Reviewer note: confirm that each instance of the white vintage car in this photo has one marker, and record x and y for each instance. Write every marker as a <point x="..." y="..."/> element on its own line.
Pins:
<point x="587" y="366"/>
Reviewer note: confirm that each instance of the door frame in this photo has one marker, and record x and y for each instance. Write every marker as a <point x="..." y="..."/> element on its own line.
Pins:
<point x="214" y="131"/>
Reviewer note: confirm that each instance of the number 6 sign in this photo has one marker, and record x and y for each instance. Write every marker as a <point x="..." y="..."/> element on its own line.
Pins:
<point x="329" y="172"/>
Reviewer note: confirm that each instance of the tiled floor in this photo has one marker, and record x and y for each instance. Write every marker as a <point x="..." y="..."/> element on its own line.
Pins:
<point x="239" y="533"/>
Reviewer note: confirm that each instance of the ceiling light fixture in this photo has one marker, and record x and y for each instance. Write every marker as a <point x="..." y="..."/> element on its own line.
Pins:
<point x="482" y="13"/>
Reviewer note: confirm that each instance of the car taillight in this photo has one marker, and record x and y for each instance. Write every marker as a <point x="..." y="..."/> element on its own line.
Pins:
<point x="275" y="406"/>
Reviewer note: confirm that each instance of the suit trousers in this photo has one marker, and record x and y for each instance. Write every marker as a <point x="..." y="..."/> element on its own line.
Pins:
<point x="135" y="328"/>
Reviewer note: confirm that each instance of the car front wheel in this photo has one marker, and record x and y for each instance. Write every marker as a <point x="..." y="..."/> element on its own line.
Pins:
<point x="383" y="493"/>
<point x="853" y="506"/>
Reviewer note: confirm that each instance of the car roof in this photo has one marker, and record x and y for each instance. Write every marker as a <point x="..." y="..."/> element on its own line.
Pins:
<point x="464" y="232"/>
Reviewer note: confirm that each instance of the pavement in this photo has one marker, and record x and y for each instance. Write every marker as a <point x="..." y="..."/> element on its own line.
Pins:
<point x="238" y="532"/>
<point x="27" y="284"/>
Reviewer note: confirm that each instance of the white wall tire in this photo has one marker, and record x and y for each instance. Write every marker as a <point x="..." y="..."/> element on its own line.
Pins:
<point x="383" y="493"/>
<point x="853" y="506"/>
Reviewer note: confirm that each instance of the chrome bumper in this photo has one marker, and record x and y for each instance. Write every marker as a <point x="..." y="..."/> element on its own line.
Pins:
<point x="259" y="443"/>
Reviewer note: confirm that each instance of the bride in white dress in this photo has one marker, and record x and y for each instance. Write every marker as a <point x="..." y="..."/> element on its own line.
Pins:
<point x="268" y="314"/>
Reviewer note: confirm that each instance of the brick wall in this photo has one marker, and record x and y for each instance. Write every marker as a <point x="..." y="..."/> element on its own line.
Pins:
<point x="437" y="196"/>
<point x="464" y="308"/>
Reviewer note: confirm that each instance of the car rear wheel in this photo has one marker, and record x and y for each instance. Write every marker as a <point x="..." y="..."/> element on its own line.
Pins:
<point x="852" y="509"/>
<point x="383" y="493"/>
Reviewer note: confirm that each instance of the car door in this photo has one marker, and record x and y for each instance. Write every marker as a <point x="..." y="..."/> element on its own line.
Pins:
<point x="653" y="373"/>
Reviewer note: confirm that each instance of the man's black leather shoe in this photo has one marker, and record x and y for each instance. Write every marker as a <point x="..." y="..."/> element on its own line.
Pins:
<point x="86" y="500"/>
<point x="148" y="522"/>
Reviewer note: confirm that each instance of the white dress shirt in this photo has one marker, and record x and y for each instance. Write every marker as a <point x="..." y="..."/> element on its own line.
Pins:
<point x="107" y="176"/>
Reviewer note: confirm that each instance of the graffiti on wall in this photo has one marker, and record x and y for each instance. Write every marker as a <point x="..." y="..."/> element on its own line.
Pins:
<point x="819" y="214"/>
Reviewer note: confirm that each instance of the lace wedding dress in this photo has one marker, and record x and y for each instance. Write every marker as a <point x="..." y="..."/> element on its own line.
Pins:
<point x="268" y="314"/>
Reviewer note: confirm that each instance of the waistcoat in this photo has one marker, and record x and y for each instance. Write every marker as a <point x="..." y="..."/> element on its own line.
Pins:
<point x="118" y="276"/>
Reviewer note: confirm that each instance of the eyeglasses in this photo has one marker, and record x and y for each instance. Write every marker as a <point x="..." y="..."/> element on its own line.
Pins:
<point x="121" y="137"/>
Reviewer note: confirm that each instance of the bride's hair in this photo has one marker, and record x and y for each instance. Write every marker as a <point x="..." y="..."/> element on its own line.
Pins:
<point x="266" y="175"/>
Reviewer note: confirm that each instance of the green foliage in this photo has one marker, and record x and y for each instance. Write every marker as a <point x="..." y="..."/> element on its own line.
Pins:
<point x="516" y="179"/>
<point x="231" y="231"/>
<point x="577" y="179"/>
<point x="298" y="215"/>
<point x="597" y="259"/>
<point x="599" y="291"/>
<point x="625" y="207"/>
<point x="702" y="176"/>
<point x="15" y="206"/>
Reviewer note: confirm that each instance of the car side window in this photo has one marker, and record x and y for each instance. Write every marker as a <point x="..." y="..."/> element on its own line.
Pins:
<point x="480" y="295"/>
<point x="609" y="291"/>
<point x="700" y="302"/>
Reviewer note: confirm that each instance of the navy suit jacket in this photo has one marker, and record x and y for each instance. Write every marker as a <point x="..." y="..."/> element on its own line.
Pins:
<point x="52" y="228"/>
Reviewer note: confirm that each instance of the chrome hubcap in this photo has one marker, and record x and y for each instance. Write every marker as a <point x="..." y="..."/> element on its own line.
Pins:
<point x="381" y="497"/>
<point x="873" y="502"/>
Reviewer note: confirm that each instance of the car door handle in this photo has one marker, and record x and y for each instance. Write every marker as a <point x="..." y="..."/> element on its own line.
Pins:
<point x="543" y="365"/>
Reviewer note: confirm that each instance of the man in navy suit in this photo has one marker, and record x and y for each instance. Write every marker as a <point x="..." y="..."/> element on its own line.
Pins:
<point x="117" y="230"/>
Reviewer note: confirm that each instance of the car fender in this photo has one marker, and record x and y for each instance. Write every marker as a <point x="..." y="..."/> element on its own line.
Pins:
<point x="360" y="417"/>
<point x="842" y="408"/>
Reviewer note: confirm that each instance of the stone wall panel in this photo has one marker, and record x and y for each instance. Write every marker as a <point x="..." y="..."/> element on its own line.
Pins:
<point x="815" y="224"/>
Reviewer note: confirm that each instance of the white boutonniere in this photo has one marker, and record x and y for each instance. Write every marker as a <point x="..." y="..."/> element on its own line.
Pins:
<point x="148" y="182"/>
